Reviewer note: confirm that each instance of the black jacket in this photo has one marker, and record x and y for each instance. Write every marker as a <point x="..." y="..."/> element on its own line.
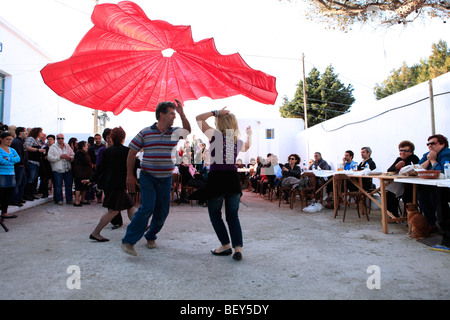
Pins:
<point x="412" y="159"/>
<point x="294" y="172"/>
<point x="111" y="172"/>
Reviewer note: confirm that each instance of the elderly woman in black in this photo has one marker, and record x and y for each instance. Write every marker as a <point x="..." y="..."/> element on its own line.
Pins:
<point x="397" y="191"/>
<point x="290" y="174"/>
<point x="81" y="170"/>
<point x="112" y="170"/>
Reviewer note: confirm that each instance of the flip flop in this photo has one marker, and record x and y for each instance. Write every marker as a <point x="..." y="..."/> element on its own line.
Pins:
<point x="438" y="247"/>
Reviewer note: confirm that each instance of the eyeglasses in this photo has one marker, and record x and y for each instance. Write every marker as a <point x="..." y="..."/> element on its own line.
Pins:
<point x="432" y="143"/>
<point x="404" y="150"/>
<point x="292" y="159"/>
<point x="60" y="138"/>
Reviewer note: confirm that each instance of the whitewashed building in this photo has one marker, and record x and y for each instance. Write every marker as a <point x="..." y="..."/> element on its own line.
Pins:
<point x="25" y="100"/>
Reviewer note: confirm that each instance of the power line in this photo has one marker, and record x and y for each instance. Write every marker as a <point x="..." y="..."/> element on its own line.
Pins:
<point x="299" y="59"/>
<point x="386" y="111"/>
<point x="73" y="8"/>
<point x="330" y="102"/>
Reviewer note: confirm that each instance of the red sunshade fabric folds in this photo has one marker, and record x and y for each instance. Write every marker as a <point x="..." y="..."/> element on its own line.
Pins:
<point x="129" y="61"/>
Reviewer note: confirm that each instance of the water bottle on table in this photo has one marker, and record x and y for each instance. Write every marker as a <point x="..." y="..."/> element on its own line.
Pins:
<point x="447" y="170"/>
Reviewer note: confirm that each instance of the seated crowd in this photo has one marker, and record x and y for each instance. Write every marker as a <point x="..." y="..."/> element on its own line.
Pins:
<point x="433" y="201"/>
<point x="34" y="163"/>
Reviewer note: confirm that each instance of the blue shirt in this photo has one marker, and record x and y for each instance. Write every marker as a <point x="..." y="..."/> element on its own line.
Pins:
<point x="349" y="166"/>
<point x="7" y="161"/>
<point x="442" y="156"/>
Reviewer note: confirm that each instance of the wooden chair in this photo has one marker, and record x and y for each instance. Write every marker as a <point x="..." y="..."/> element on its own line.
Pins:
<point x="273" y="192"/>
<point x="281" y="190"/>
<point x="343" y="194"/>
<point x="259" y="186"/>
<point x="269" y="189"/>
<point x="175" y="187"/>
<point x="186" y="189"/>
<point x="303" y="193"/>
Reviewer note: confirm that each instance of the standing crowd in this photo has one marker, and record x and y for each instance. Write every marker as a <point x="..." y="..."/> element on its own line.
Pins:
<point x="33" y="164"/>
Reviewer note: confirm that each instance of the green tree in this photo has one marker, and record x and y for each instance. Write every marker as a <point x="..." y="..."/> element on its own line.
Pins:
<point x="404" y="77"/>
<point x="326" y="97"/>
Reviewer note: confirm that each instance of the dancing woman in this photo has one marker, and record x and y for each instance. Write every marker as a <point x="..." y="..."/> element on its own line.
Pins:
<point x="223" y="179"/>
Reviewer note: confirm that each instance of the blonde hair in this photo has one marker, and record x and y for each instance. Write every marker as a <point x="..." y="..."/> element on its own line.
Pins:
<point x="226" y="123"/>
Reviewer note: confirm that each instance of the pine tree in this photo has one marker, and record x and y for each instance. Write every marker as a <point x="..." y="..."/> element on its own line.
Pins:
<point x="404" y="77"/>
<point x="327" y="97"/>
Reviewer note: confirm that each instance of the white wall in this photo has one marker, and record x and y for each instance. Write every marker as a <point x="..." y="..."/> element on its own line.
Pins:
<point x="381" y="126"/>
<point x="285" y="131"/>
<point x="29" y="102"/>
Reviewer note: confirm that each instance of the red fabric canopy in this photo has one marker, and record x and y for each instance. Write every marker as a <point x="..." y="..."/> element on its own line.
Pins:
<point x="129" y="61"/>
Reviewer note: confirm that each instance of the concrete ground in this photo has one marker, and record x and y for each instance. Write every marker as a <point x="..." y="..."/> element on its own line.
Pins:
<point x="288" y="255"/>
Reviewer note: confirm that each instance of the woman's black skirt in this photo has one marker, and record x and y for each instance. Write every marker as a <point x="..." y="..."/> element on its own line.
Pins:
<point x="218" y="183"/>
<point x="117" y="200"/>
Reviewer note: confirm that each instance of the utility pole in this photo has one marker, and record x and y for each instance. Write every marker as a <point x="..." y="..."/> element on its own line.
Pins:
<point x="95" y="110"/>
<point x="305" y="111"/>
<point x="433" y="129"/>
<point x="304" y="93"/>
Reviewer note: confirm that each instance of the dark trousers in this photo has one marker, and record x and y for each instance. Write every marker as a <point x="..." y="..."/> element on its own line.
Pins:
<point x="433" y="202"/>
<point x="5" y="196"/>
<point x="21" y="181"/>
<point x="231" y="215"/>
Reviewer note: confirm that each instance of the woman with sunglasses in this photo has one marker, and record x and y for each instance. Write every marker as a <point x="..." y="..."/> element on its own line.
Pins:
<point x="434" y="200"/>
<point x="397" y="191"/>
<point x="438" y="153"/>
<point x="290" y="175"/>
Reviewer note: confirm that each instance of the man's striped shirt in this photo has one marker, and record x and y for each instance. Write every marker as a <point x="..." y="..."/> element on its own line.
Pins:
<point x="159" y="157"/>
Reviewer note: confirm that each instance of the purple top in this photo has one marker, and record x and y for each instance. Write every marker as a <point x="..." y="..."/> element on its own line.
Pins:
<point x="224" y="151"/>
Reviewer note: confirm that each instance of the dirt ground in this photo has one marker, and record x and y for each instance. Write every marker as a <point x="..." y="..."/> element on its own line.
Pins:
<point x="288" y="255"/>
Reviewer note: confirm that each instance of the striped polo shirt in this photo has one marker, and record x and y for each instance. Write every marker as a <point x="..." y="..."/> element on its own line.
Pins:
<point x="159" y="157"/>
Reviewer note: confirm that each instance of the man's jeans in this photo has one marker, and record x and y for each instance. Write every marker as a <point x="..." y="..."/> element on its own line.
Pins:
<point x="58" y="179"/>
<point x="155" y="200"/>
<point x="32" y="172"/>
<point x="231" y="214"/>
<point x="21" y="181"/>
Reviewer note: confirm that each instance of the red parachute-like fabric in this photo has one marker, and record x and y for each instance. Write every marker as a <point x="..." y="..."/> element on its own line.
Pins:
<point x="124" y="61"/>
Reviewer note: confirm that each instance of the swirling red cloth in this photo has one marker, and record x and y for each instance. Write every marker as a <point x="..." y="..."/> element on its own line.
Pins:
<point x="129" y="61"/>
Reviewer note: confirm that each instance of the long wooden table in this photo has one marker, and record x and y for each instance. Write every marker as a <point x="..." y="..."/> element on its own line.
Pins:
<point x="356" y="178"/>
<point x="385" y="180"/>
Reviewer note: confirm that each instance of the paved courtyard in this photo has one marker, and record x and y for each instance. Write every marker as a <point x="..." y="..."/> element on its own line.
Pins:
<point x="288" y="255"/>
